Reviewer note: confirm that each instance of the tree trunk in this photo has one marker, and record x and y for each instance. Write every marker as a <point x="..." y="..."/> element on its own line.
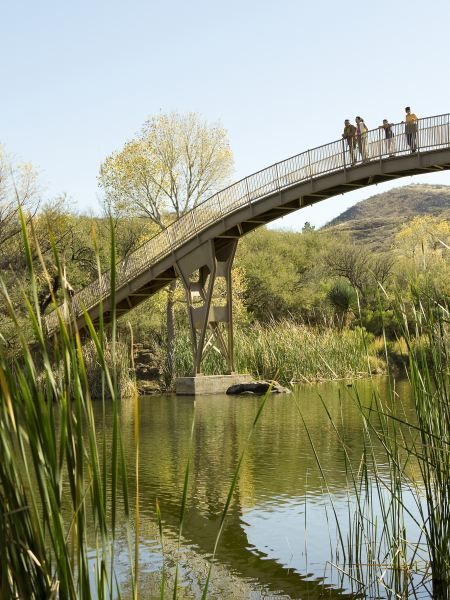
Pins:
<point x="170" y="322"/>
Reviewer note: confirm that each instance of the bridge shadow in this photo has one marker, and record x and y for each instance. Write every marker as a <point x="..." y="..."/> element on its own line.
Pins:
<point x="240" y="558"/>
<point x="221" y="425"/>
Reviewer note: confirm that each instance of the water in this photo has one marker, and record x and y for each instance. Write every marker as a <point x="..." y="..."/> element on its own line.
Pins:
<point x="280" y="533"/>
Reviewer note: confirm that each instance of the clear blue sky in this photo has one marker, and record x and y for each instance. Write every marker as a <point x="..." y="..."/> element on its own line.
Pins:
<point x="79" y="78"/>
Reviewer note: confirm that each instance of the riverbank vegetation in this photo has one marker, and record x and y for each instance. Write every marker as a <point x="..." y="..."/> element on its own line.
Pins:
<point x="293" y="353"/>
<point x="317" y="298"/>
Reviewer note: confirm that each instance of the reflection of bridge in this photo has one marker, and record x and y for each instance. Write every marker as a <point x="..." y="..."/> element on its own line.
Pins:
<point x="237" y="554"/>
<point x="199" y="247"/>
<point x="270" y="470"/>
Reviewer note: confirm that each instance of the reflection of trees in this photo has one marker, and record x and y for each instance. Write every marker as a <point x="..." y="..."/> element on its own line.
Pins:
<point x="277" y="458"/>
<point x="279" y="462"/>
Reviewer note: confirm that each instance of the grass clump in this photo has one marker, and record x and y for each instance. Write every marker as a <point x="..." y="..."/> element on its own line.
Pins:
<point x="291" y="352"/>
<point x="117" y="362"/>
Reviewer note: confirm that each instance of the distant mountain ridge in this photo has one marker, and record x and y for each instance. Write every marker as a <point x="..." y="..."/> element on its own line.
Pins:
<point x="375" y="220"/>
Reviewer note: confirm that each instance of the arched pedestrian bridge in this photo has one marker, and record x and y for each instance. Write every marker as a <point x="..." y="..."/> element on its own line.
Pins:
<point x="199" y="247"/>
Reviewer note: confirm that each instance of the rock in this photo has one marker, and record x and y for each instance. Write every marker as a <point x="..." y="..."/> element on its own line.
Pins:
<point x="248" y="388"/>
<point x="146" y="388"/>
<point x="258" y="388"/>
<point x="146" y="373"/>
<point x="147" y="370"/>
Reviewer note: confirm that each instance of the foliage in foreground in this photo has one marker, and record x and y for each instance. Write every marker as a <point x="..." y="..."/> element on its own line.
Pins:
<point x="399" y="526"/>
<point x="64" y="490"/>
<point x="56" y="506"/>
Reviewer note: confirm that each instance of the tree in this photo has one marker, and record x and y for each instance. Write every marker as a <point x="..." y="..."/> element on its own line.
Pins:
<point x="341" y="296"/>
<point x="19" y="190"/>
<point x="423" y="249"/>
<point x="307" y="227"/>
<point x="362" y="269"/>
<point x="422" y="238"/>
<point x="170" y="167"/>
<point x="284" y="273"/>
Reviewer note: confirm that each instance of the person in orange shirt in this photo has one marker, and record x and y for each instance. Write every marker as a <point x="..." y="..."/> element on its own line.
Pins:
<point x="411" y="129"/>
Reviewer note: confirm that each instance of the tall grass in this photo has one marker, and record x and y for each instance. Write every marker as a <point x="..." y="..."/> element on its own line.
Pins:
<point x="291" y="352"/>
<point x="429" y="369"/>
<point x="57" y="513"/>
<point x="399" y="526"/>
<point x="117" y="362"/>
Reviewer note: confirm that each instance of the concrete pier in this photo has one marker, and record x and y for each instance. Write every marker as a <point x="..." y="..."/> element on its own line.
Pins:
<point x="209" y="384"/>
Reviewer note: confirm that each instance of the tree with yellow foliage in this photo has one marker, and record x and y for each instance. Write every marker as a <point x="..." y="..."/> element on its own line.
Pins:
<point x="176" y="162"/>
<point x="19" y="190"/>
<point x="423" y="249"/>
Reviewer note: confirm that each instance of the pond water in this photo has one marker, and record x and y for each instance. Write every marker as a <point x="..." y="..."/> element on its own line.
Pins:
<point x="280" y="537"/>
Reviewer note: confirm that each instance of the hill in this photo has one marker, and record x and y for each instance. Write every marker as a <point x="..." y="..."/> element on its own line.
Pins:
<point x="376" y="220"/>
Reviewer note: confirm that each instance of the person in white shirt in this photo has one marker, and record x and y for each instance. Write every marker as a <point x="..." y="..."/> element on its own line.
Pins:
<point x="361" y="137"/>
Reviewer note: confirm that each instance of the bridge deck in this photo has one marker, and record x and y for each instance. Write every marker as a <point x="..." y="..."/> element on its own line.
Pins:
<point x="278" y="190"/>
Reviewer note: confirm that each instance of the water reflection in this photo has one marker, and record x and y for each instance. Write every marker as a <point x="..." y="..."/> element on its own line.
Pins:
<point x="279" y="532"/>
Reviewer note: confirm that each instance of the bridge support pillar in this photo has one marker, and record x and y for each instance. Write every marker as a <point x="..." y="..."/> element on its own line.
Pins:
<point x="206" y="277"/>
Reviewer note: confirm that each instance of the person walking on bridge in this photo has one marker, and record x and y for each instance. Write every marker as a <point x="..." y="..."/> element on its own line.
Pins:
<point x="361" y="136"/>
<point x="411" y="129"/>
<point x="350" y="135"/>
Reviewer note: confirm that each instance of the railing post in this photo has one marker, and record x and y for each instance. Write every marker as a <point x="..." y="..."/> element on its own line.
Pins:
<point x="380" y="145"/>
<point x="343" y="155"/>
<point x="248" y="191"/>
<point x="222" y="214"/>
<point x="417" y="136"/>
<point x="278" y="177"/>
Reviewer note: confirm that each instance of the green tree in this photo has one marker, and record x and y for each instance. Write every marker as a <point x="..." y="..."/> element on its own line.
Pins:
<point x="341" y="296"/>
<point x="363" y="269"/>
<point x="284" y="273"/>
<point x="170" y="167"/>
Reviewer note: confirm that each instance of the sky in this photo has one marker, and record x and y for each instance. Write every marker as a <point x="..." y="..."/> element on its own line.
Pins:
<point x="79" y="78"/>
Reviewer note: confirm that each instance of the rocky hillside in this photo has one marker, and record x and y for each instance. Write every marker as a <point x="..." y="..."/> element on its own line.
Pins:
<point x="375" y="220"/>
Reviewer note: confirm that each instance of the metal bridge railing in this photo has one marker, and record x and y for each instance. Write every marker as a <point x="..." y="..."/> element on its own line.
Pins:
<point x="432" y="133"/>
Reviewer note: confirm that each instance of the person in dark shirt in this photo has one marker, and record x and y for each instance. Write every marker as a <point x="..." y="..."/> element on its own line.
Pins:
<point x="390" y="137"/>
<point x="350" y="135"/>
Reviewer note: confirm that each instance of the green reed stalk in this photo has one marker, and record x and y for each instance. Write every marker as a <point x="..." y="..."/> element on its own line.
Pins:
<point x="184" y="502"/>
<point x="54" y="519"/>
<point x="429" y="375"/>
<point x="161" y="537"/>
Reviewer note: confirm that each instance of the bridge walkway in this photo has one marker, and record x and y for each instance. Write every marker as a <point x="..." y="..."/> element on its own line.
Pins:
<point x="203" y="240"/>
